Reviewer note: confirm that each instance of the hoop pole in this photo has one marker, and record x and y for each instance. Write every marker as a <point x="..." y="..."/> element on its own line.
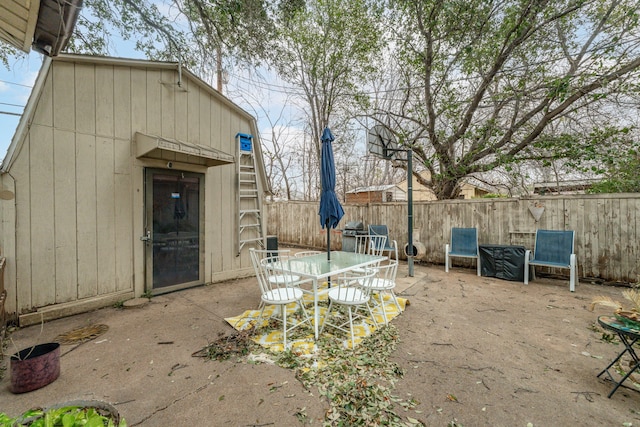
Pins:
<point x="410" y="209"/>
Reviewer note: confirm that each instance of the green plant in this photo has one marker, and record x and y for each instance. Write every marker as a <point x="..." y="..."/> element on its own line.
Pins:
<point x="65" y="416"/>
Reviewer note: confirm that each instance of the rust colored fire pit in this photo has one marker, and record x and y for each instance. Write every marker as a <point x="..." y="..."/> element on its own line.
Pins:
<point x="35" y="367"/>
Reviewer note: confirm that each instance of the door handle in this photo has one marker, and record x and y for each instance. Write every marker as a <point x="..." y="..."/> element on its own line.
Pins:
<point x="147" y="237"/>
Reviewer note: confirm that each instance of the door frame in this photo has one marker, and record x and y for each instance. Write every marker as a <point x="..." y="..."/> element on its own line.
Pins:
<point x="147" y="226"/>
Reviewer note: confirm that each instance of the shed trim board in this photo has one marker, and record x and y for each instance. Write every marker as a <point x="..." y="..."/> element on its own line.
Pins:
<point x="75" y="234"/>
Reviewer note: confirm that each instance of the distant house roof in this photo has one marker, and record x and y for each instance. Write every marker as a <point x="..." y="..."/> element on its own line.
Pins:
<point x="373" y="188"/>
<point x="575" y="186"/>
<point x="44" y="25"/>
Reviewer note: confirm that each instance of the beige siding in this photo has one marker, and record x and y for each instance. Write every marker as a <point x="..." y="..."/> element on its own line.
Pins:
<point x="79" y="187"/>
<point x="122" y="102"/>
<point x="23" y="228"/>
<point x="64" y="88"/>
<point x="123" y="215"/>
<point x="43" y="115"/>
<point x="193" y="111"/>
<point x="65" y="217"/>
<point x="168" y="98"/>
<point x="138" y="101"/>
<point x="105" y="107"/>
<point x="85" y="108"/>
<point x="7" y="245"/>
<point x="204" y="126"/>
<point x="181" y="111"/>
<point x="87" y="213"/>
<point x="106" y="203"/>
<point x="41" y="219"/>
<point x="154" y="103"/>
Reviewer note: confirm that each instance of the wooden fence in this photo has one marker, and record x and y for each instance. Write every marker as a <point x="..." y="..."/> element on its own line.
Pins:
<point x="607" y="226"/>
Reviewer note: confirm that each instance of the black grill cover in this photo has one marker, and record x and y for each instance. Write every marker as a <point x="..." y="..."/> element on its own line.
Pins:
<point x="502" y="261"/>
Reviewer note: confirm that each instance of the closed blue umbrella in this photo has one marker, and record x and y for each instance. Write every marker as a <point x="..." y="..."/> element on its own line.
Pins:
<point x="331" y="211"/>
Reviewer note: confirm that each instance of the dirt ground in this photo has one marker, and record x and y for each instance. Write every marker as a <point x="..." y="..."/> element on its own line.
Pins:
<point x="476" y="351"/>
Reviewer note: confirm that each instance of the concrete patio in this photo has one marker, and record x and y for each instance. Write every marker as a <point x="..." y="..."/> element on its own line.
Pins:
<point x="509" y="353"/>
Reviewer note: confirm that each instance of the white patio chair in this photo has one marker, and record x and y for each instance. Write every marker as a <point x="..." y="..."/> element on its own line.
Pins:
<point x="279" y="290"/>
<point x="370" y="245"/>
<point x="383" y="282"/>
<point x="278" y="255"/>
<point x="393" y="252"/>
<point x="376" y="244"/>
<point x="351" y="293"/>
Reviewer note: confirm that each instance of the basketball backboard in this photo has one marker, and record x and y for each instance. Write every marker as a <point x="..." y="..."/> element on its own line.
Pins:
<point x="382" y="142"/>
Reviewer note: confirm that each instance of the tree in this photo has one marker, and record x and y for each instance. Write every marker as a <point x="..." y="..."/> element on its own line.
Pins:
<point x="6" y="51"/>
<point x="625" y="179"/>
<point x="622" y="170"/>
<point x="277" y="141"/>
<point x="326" y="48"/>
<point x="483" y="80"/>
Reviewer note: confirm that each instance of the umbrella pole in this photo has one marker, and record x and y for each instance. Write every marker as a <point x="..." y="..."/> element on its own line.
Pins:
<point x="328" y="241"/>
<point x="328" y="248"/>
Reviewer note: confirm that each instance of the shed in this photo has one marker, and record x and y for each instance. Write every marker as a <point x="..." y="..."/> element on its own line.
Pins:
<point x="124" y="178"/>
<point x="376" y="194"/>
<point x="468" y="189"/>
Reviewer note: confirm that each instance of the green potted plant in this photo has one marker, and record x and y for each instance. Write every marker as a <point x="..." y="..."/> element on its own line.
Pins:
<point x="87" y="413"/>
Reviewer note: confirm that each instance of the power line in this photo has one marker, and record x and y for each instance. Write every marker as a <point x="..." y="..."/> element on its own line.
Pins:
<point x="13" y="83"/>
<point x="12" y="105"/>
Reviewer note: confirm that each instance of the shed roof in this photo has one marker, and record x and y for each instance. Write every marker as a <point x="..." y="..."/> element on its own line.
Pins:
<point x="216" y="157"/>
<point x="373" y="188"/>
<point x="45" y="25"/>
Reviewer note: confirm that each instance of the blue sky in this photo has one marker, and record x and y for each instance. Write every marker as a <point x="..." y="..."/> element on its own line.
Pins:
<point x="249" y="92"/>
<point x="15" y="87"/>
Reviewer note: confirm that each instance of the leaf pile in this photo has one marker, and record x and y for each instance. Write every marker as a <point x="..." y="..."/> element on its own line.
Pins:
<point x="239" y="343"/>
<point x="357" y="382"/>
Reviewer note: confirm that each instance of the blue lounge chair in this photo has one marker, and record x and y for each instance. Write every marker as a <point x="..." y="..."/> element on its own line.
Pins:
<point x="464" y="244"/>
<point x="382" y="230"/>
<point x="553" y="248"/>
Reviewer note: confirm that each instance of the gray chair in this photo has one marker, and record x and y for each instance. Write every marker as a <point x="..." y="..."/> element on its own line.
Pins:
<point x="464" y="244"/>
<point x="553" y="248"/>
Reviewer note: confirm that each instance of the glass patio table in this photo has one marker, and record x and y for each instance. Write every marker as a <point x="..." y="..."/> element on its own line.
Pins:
<point x="628" y="336"/>
<point x="318" y="267"/>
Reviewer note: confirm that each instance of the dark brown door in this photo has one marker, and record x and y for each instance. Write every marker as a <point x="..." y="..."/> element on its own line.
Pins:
<point x="173" y="206"/>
